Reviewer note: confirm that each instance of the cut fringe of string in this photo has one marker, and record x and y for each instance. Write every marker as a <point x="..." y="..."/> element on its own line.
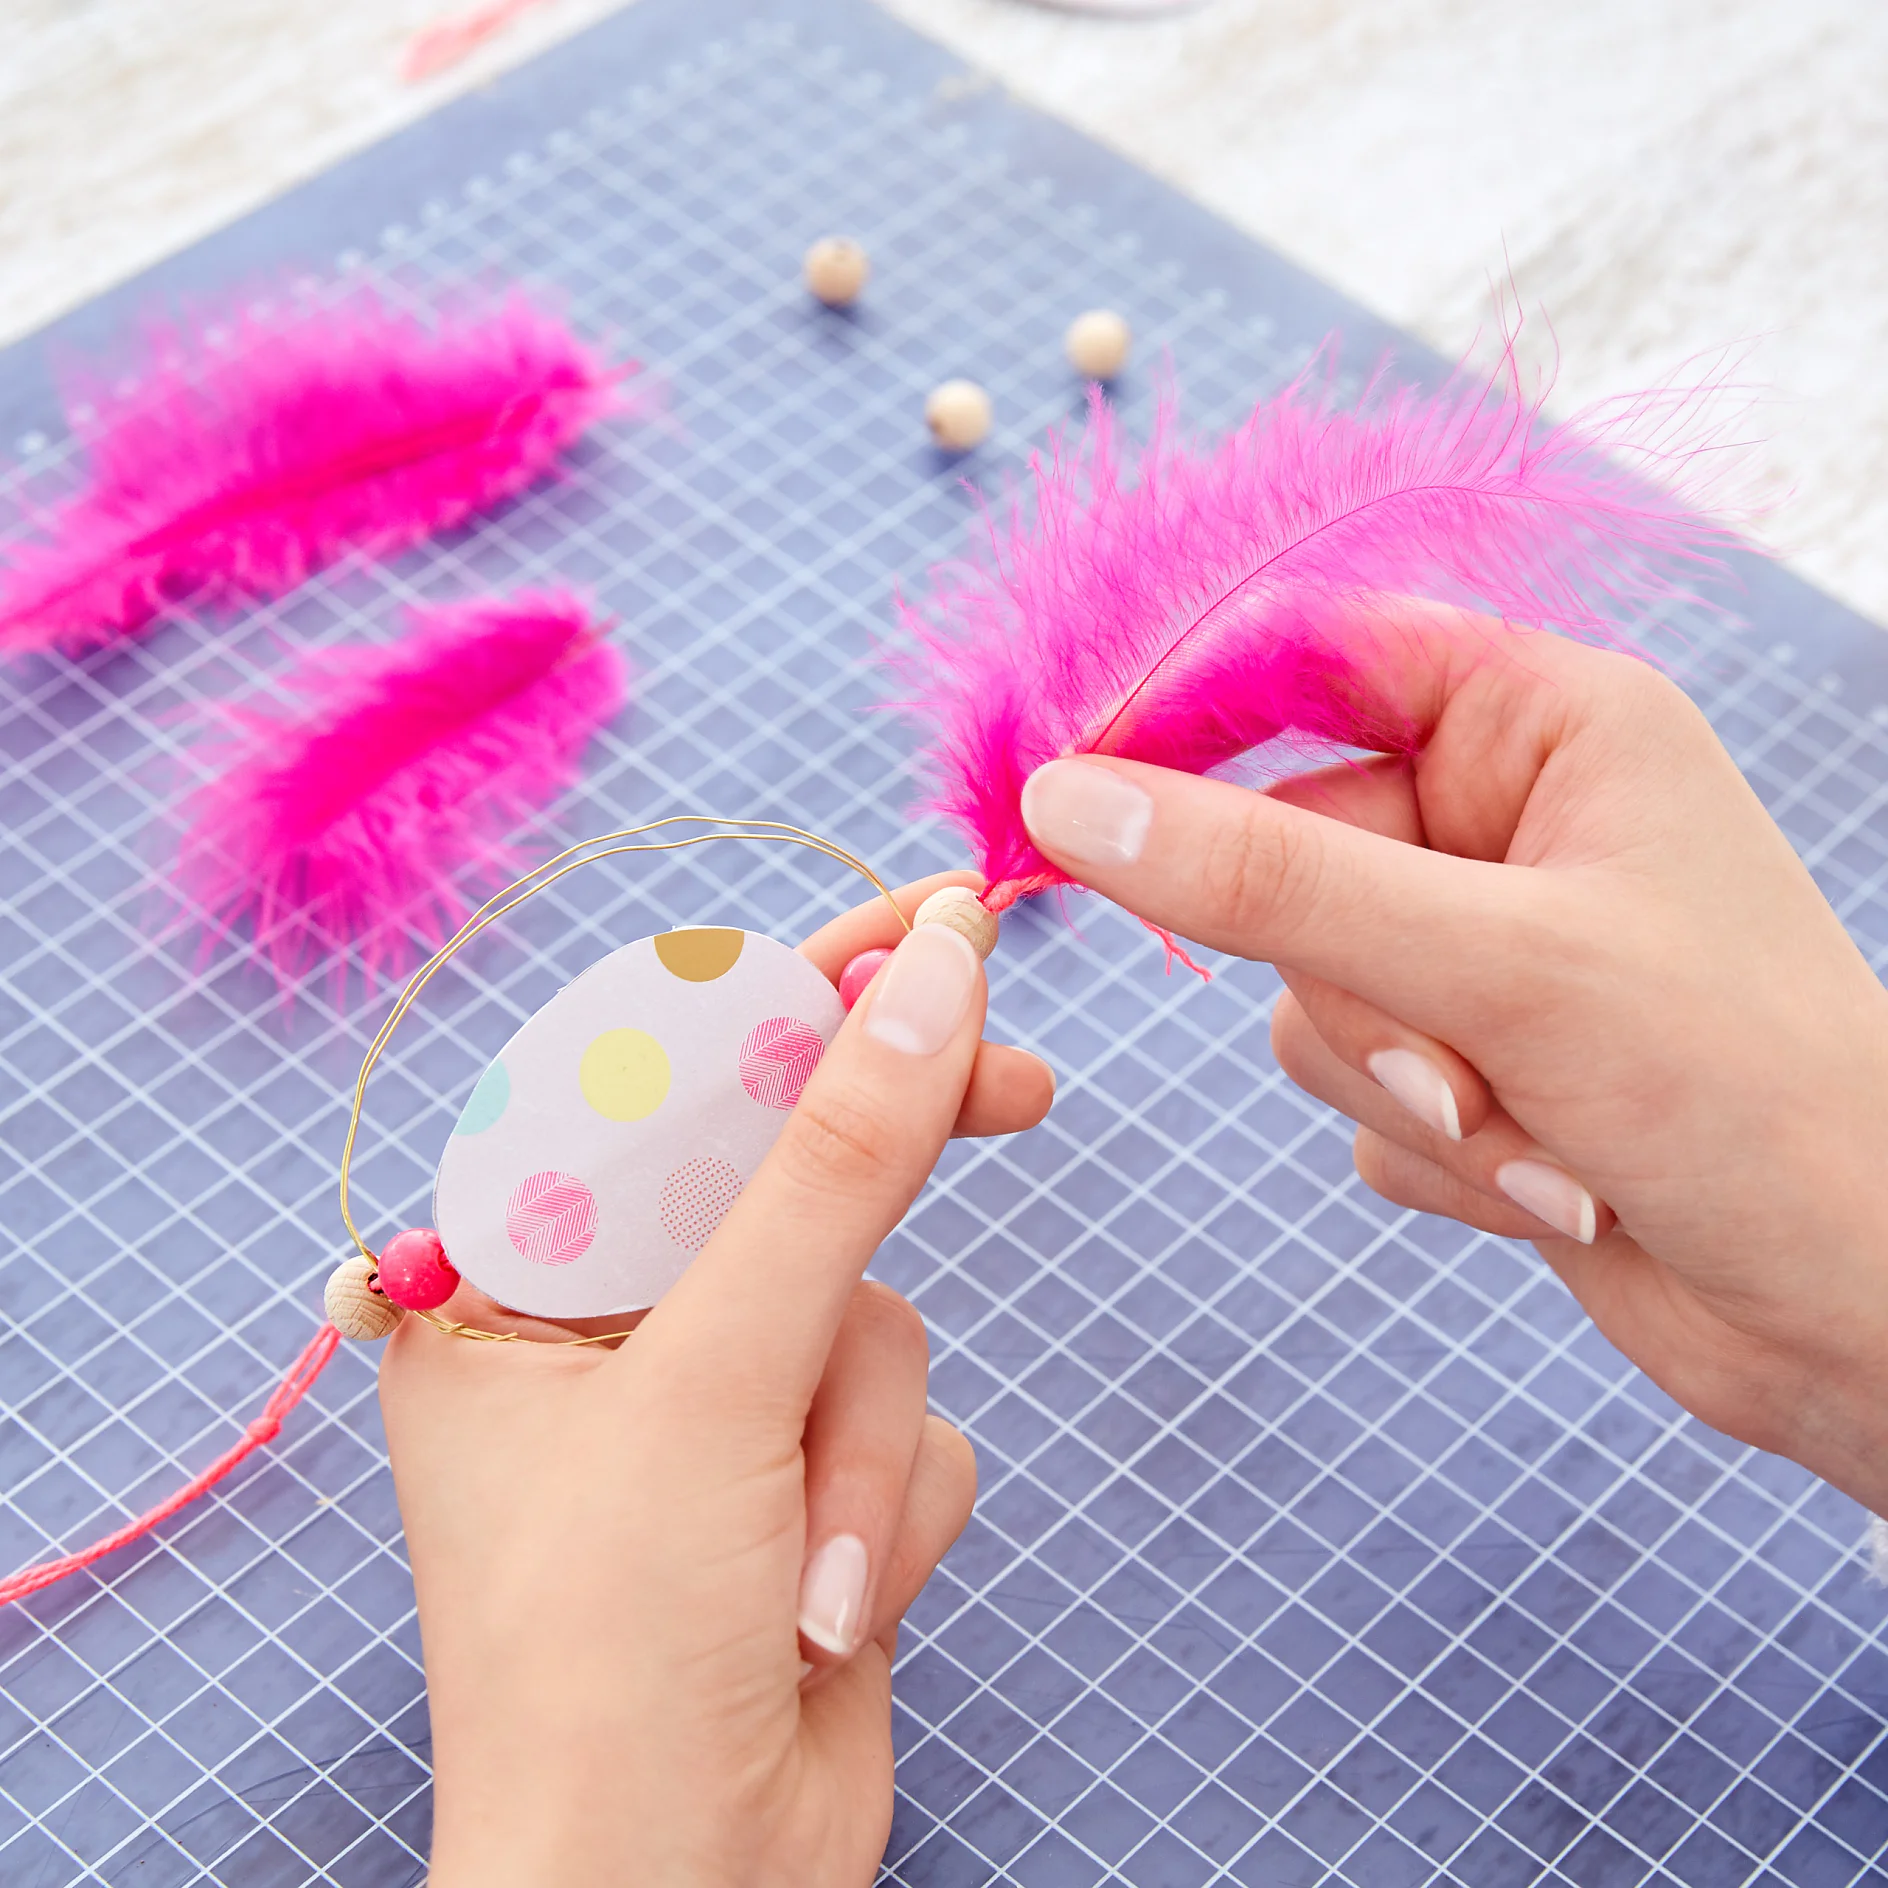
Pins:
<point x="1174" y="948"/>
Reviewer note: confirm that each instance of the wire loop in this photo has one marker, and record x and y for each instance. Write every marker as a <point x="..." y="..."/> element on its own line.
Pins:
<point x="539" y="878"/>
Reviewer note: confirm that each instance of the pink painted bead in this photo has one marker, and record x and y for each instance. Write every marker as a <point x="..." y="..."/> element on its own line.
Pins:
<point x="415" y="1272"/>
<point x="858" y="973"/>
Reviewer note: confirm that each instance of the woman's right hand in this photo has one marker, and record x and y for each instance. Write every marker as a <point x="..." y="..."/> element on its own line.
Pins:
<point x="1573" y="985"/>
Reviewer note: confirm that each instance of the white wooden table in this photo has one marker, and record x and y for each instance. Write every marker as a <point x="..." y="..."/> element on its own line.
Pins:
<point x="1665" y="178"/>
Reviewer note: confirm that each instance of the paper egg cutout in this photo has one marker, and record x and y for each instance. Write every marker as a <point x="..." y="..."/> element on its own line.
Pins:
<point x="602" y="1147"/>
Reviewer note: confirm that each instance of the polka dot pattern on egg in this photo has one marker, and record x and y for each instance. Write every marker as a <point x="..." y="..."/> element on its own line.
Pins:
<point x="624" y="1074"/>
<point x="700" y="954"/>
<point x="487" y="1103"/>
<point x="777" y="1060"/>
<point x="696" y="1198"/>
<point x="602" y="1146"/>
<point x="552" y="1218"/>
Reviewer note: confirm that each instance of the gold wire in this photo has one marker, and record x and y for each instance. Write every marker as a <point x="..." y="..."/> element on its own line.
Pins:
<point x="528" y="885"/>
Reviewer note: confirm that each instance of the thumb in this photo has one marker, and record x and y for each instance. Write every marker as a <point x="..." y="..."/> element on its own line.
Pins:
<point x="1422" y="934"/>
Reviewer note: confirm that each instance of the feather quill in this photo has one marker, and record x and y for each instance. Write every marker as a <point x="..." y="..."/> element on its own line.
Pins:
<point x="361" y="802"/>
<point x="1184" y="604"/>
<point x="243" y="458"/>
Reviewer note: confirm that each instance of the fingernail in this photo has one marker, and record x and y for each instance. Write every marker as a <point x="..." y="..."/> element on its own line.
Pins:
<point x="832" y="1591"/>
<point x="924" y="991"/>
<point x="1550" y="1193"/>
<point x="1086" y="813"/>
<point x="1420" y="1086"/>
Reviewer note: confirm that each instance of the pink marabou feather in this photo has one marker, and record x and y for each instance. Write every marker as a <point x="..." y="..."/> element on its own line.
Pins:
<point x="236" y="465"/>
<point x="1183" y="605"/>
<point x="356" y="805"/>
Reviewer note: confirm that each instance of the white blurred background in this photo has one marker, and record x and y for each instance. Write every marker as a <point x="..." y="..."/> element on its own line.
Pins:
<point x="1659" y="177"/>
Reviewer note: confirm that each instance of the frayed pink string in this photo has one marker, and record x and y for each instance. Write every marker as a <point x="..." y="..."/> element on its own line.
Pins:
<point x="1174" y="948"/>
<point x="266" y="1427"/>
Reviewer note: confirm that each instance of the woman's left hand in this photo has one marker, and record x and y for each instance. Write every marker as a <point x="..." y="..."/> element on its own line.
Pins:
<point x="660" y="1586"/>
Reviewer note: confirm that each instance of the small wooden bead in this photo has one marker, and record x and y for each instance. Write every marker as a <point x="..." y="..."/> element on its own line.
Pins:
<point x="959" y="909"/>
<point x="836" y="268"/>
<point x="958" y="414"/>
<point x="353" y="1308"/>
<point x="860" y="972"/>
<point x="1097" y="344"/>
<point x="415" y="1272"/>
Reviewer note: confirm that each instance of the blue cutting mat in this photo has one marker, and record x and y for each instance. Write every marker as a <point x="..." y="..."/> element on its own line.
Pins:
<point x="1317" y="1543"/>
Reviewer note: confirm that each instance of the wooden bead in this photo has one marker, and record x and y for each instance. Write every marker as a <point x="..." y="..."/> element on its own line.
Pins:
<point x="353" y="1309"/>
<point x="1097" y="344"/>
<point x="836" y="268"/>
<point x="959" y="909"/>
<point x="958" y="414"/>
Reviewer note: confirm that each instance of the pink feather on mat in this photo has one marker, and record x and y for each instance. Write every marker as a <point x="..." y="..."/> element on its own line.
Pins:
<point x="244" y="458"/>
<point x="359" y="804"/>
<point x="1186" y="604"/>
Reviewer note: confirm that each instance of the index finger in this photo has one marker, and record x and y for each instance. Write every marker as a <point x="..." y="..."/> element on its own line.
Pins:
<point x="1472" y="706"/>
<point x="1010" y="1089"/>
<point x="758" y="1308"/>
<point x="1394" y="884"/>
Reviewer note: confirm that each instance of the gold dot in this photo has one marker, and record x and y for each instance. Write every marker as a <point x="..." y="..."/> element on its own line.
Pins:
<point x="624" y="1074"/>
<point x="700" y="954"/>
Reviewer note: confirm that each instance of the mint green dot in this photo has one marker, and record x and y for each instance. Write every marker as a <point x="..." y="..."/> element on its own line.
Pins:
<point x="487" y="1101"/>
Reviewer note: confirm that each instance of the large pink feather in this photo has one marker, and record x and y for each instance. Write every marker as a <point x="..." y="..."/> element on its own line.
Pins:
<point x="359" y="804"/>
<point x="1185" y="607"/>
<point x="236" y="465"/>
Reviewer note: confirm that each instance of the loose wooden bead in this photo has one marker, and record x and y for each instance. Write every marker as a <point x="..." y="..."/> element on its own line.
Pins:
<point x="415" y="1272"/>
<point x="958" y="414"/>
<point x="860" y="972"/>
<point x="1097" y="344"/>
<point x="353" y="1309"/>
<point x="959" y="909"/>
<point x="836" y="268"/>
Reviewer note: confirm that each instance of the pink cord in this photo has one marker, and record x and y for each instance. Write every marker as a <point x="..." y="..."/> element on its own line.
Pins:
<point x="446" y="42"/>
<point x="290" y="1391"/>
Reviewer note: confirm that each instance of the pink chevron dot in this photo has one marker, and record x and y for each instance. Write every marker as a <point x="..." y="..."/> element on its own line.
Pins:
<point x="777" y="1059"/>
<point x="552" y="1217"/>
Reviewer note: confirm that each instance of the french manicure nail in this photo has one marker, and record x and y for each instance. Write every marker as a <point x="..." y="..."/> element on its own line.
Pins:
<point x="1420" y="1086"/>
<point x="1086" y="813"/>
<point x="1552" y="1194"/>
<point x="923" y="992"/>
<point x="832" y="1592"/>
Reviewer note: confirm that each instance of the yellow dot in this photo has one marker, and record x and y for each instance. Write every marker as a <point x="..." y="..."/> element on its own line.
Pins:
<point x="624" y="1074"/>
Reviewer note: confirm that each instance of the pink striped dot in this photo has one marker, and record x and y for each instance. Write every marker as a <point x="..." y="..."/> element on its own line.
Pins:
<point x="777" y="1059"/>
<point x="552" y="1217"/>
